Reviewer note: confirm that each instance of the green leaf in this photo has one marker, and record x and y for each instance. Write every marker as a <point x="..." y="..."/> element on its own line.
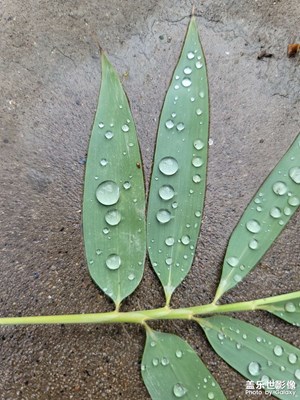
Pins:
<point x="286" y="306"/>
<point x="179" y="172"/>
<point x="265" y="217"/>
<point x="254" y="353"/>
<point x="171" y="369"/>
<point x="114" y="198"/>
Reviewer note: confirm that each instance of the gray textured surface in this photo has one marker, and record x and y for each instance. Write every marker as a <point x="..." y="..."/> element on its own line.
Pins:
<point x="49" y="79"/>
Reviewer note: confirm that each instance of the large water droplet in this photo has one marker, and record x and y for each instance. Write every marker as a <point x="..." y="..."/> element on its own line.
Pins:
<point x="108" y="193"/>
<point x="293" y="358"/>
<point x="169" y="261"/>
<point x="169" y="124"/>
<point x="210" y="395"/>
<point x="197" y="162"/>
<point x="280" y="188"/>
<point x="253" y="244"/>
<point x="196" y="178"/>
<point x="165" y="361"/>
<point x="290" y="307"/>
<point x="294" y="201"/>
<point x="198" y="144"/>
<point x="170" y="241"/>
<point x="180" y="126"/>
<point x="253" y="226"/>
<point x="163" y="216"/>
<point x="190" y="55"/>
<point x="168" y="166"/>
<point x="179" y="390"/>
<point x="294" y="174"/>
<point x="166" y="192"/>
<point x="278" y="350"/>
<point x="232" y="261"/>
<point x="113" y="217"/>
<point x="185" y="239"/>
<point x="109" y="135"/>
<point x="254" y="368"/>
<point x="113" y="262"/>
<point x="275" y="212"/>
<point x="125" y="128"/>
<point x="187" y="70"/>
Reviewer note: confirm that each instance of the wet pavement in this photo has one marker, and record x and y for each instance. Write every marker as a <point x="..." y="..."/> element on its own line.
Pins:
<point x="49" y="79"/>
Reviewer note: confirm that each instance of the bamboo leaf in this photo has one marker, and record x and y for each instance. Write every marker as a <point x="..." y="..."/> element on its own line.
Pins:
<point x="171" y="369"/>
<point x="265" y="217"/>
<point x="255" y="354"/>
<point x="114" y="199"/>
<point x="179" y="172"/>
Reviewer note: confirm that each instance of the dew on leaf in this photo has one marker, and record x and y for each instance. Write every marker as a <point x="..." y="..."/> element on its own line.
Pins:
<point x="179" y="390"/>
<point x="187" y="70"/>
<point x="108" y="193"/>
<point x="126" y="185"/>
<point x="170" y="241"/>
<point x="293" y="358"/>
<point x="253" y="244"/>
<point x="253" y="226"/>
<point x="113" y="262"/>
<point x="280" y="188"/>
<point x="290" y="307"/>
<point x="294" y="174"/>
<point x="278" y="350"/>
<point x="232" y="261"/>
<point x="197" y="162"/>
<point x="185" y="239"/>
<point x="113" y="217"/>
<point x="199" y="65"/>
<point x="163" y="216"/>
<point x="178" y="353"/>
<point x="180" y="126"/>
<point x="186" y="82"/>
<point x="103" y="162"/>
<point x="168" y="166"/>
<point x="101" y="125"/>
<point x="109" y="135"/>
<point x="131" y="277"/>
<point x="198" y="144"/>
<point x="294" y="201"/>
<point x="169" y="124"/>
<point x="190" y="55"/>
<point x="125" y="128"/>
<point x="155" y="362"/>
<point x="198" y="111"/>
<point x="166" y="192"/>
<point x="165" y="361"/>
<point x="275" y="212"/>
<point x="210" y="395"/>
<point x="254" y="368"/>
<point x="196" y="178"/>
<point x="297" y="374"/>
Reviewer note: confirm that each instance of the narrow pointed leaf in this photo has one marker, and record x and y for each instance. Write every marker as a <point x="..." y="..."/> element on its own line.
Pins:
<point x="114" y="199"/>
<point x="171" y="369"/>
<point x="287" y="307"/>
<point x="255" y="354"/>
<point x="179" y="172"/>
<point x="265" y="217"/>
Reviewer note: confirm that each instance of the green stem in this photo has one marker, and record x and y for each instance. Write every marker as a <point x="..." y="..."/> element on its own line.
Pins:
<point x="140" y="317"/>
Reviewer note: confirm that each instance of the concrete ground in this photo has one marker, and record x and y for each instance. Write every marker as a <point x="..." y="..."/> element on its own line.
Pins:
<point x="49" y="82"/>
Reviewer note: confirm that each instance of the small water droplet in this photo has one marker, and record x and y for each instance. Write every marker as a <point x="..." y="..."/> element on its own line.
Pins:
<point x="91" y="262"/>
<point x="210" y="395"/>
<point x="293" y="358"/>
<point x="278" y="350"/>
<point x="125" y="128"/>
<point x="131" y="277"/>
<point x="163" y="216"/>
<point x="169" y="124"/>
<point x="192" y="99"/>
<point x="113" y="217"/>
<point x="101" y="125"/>
<point x="232" y="261"/>
<point x="126" y="185"/>
<point x="105" y="231"/>
<point x="103" y="162"/>
<point x="198" y="111"/>
<point x="169" y="261"/>
<point x="152" y="344"/>
<point x="280" y="188"/>
<point x="198" y="144"/>
<point x="253" y="244"/>
<point x="287" y="211"/>
<point x="109" y="135"/>
<point x="108" y="193"/>
<point x="196" y="178"/>
<point x="202" y="95"/>
<point x="253" y="226"/>
<point x="294" y="174"/>
<point x="259" y="339"/>
<point x="170" y="241"/>
<point x="275" y="212"/>
<point x="143" y="367"/>
<point x="98" y="252"/>
<point x="199" y="65"/>
<point x="190" y="55"/>
<point x="179" y="390"/>
<point x="290" y="307"/>
<point x="186" y="82"/>
<point x="174" y="204"/>
<point x="238" y="346"/>
<point x="294" y="201"/>
<point x="237" y="278"/>
<point x="254" y="368"/>
<point x="297" y="374"/>
<point x="221" y="336"/>
<point x="185" y="239"/>
<point x="166" y="192"/>
<point x="165" y="361"/>
<point x="187" y="70"/>
<point x="113" y="262"/>
<point x="176" y="87"/>
<point x="197" y="162"/>
<point x="198" y="214"/>
<point x="178" y="353"/>
<point x="168" y="166"/>
<point x="180" y="126"/>
<point x="155" y="362"/>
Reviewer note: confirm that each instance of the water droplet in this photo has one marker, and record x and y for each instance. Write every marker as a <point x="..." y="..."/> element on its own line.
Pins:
<point x="197" y="162"/>
<point x="196" y="178"/>
<point x="198" y="144"/>
<point x="169" y="261"/>
<point x="166" y="192"/>
<point x="237" y="278"/>
<point x="179" y="390"/>
<point x="254" y="368"/>
<point x="186" y="82"/>
<point x="178" y="353"/>
<point x="125" y="128"/>
<point x="202" y="95"/>
<point x="105" y="231"/>
<point x="198" y="65"/>
<point x="221" y="336"/>
<point x="238" y="346"/>
<point x="290" y="307"/>
<point x="190" y="55"/>
<point x="91" y="262"/>
<point x="113" y="262"/>
<point x="143" y="367"/>
<point x="278" y="350"/>
<point x="131" y="277"/>
<point x="253" y="244"/>
<point x="103" y="162"/>
<point x="180" y="126"/>
<point x="294" y="201"/>
<point x="287" y="211"/>
<point x="210" y="395"/>
<point x="293" y="358"/>
<point x="259" y="339"/>
<point x="187" y="70"/>
<point x="98" y="252"/>
<point x="210" y="142"/>
<point x="152" y="344"/>
<point x="170" y="241"/>
<point x="253" y="226"/>
<point x="108" y="193"/>
<point x="198" y="214"/>
<point x="280" y="188"/>
<point x="294" y="174"/>
<point x="126" y="185"/>
<point x="101" y="125"/>
<point x="163" y="216"/>
<point x="169" y="124"/>
<point x="192" y="99"/>
<point x="185" y="239"/>
<point x="232" y="261"/>
<point x="155" y="362"/>
<point x="275" y="212"/>
<point x="297" y="374"/>
<point x="168" y="166"/>
<point x="165" y="361"/>
<point x="113" y="217"/>
<point x="174" y="204"/>
<point x="176" y="87"/>
<point x="109" y="135"/>
<point x="198" y="111"/>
